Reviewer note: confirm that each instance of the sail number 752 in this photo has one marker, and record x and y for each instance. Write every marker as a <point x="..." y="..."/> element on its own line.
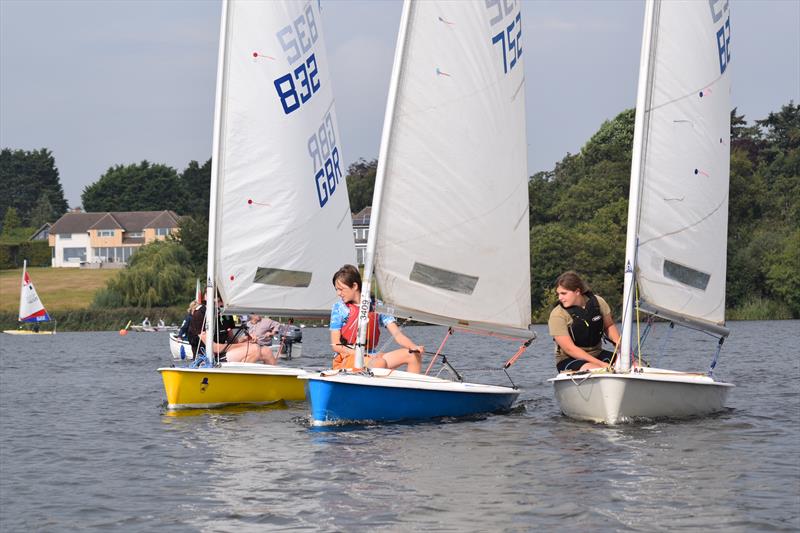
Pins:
<point x="510" y="39"/>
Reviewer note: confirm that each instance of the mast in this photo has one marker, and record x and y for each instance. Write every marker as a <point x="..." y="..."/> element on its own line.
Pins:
<point x="388" y="122"/>
<point x="219" y="103"/>
<point x="22" y="289"/>
<point x="643" y="96"/>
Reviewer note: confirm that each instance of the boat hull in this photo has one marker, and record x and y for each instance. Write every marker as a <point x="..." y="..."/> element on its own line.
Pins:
<point x="653" y="393"/>
<point x="391" y="396"/>
<point x="27" y="332"/>
<point x="230" y="384"/>
<point x="180" y="349"/>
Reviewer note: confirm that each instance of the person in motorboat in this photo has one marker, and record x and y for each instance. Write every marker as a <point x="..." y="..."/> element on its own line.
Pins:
<point x="161" y="323"/>
<point x="289" y="334"/>
<point x="578" y="324"/>
<point x="255" y="346"/>
<point x="344" y="329"/>
<point x="146" y="322"/>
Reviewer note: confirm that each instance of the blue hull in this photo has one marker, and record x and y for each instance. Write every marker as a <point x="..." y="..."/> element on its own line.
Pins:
<point x="333" y="402"/>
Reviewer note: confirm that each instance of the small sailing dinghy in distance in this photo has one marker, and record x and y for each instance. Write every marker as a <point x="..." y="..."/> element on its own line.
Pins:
<point x="675" y="253"/>
<point x="31" y="309"/>
<point x="279" y="217"/>
<point x="448" y="238"/>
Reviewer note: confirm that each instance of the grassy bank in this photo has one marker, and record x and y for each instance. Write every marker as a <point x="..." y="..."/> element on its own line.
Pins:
<point x="60" y="289"/>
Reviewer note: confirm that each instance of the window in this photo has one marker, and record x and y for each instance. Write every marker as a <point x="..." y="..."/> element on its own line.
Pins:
<point x="135" y="234"/>
<point x="65" y="235"/>
<point x="74" y="255"/>
<point x="105" y="233"/>
<point x="162" y="231"/>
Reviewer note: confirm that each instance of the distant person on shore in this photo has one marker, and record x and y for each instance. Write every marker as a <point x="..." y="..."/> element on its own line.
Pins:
<point x="578" y="324"/>
<point x="255" y="346"/>
<point x="344" y="329"/>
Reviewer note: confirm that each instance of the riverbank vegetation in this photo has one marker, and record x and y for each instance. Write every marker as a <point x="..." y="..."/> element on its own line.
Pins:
<point x="578" y="217"/>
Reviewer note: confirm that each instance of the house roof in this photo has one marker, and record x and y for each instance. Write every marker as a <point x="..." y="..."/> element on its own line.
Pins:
<point x="133" y="221"/>
<point x="44" y="228"/>
<point x="362" y="217"/>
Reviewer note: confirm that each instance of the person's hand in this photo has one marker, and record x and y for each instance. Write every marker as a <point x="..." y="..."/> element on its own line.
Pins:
<point x="420" y="349"/>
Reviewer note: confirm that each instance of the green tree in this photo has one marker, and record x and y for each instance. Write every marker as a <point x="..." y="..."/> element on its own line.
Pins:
<point x="160" y="274"/>
<point x="361" y="183"/>
<point x="24" y="177"/>
<point x="42" y="212"/>
<point x="10" y="221"/>
<point x="138" y="187"/>
<point x="193" y="234"/>
<point x="196" y="181"/>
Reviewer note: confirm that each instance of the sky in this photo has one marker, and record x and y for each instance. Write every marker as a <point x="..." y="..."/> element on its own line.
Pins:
<point x="104" y="83"/>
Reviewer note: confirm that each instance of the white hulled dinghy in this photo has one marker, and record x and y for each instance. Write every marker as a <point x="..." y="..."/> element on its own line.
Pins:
<point x="31" y="308"/>
<point x="675" y="254"/>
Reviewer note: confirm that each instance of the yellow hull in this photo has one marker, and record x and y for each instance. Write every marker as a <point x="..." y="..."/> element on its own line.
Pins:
<point x="27" y="332"/>
<point x="231" y="384"/>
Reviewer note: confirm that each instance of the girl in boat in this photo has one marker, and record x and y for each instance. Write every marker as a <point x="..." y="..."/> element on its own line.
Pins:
<point x="344" y="329"/>
<point x="578" y="324"/>
<point x="255" y="346"/>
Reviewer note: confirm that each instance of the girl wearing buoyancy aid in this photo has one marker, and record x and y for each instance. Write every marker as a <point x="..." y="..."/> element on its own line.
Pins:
<point x="577" y="325"/>
<point x="344" y="328"/>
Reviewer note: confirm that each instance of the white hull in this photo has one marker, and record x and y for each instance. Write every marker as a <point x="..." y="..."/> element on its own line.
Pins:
<point x="653" y="393"/>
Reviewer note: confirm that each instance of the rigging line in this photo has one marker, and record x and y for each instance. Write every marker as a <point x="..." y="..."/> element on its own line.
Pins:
<point x="446" y="337"/>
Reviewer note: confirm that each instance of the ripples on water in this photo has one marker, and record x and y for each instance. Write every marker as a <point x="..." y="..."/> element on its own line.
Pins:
<point x="85" y="442"/>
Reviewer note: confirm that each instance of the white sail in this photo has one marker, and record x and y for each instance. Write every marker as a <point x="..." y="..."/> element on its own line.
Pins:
<point x="450" y="232"/>
<point x="682" y="227"/>
<point x="282" y="216"/>
<point x="31" y="308"/>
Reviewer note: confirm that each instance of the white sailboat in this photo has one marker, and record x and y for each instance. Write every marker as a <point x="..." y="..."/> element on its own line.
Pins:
<point x="279" y="219"/>
<point x="448" y="238"/>
<point x="31" y="308"/>
<point x="677" y="216"/>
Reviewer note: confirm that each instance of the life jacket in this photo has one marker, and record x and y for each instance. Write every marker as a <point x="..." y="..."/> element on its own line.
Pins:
<point x="349" y="332"/>
<point x="587" y="323"/>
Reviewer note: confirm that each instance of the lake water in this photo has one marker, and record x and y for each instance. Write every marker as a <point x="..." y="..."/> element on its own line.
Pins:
<point x="86" y="443"/>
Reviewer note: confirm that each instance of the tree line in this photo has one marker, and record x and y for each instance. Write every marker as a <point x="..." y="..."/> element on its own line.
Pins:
<point x="578" y="216"/>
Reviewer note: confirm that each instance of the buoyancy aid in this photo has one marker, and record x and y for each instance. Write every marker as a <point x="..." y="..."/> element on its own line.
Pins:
<point x="349" y="332"/>
<point x="587" y="322"/>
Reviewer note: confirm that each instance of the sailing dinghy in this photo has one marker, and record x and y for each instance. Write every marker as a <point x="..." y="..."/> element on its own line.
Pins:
<point x="31" y="309"/>
<point x="448" y="238"/>
<point x="279" y="219"/>
<point x="677" y="217"/>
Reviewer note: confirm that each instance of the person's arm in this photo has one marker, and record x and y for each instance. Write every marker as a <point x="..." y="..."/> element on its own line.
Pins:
<point x="337" y="346"/>
<point x="611" y="329"/>
<point x="569" y="348"/>
<point x="401" y="339"/>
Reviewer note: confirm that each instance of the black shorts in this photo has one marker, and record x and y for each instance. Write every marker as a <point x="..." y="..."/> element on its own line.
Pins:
<point x="575" y="364"/>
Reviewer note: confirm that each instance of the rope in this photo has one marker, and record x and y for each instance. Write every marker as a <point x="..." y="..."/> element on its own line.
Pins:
<point x="436" y="355"/>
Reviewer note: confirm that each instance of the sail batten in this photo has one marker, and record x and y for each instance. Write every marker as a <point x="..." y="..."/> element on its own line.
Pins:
<point x="451" y="244"/>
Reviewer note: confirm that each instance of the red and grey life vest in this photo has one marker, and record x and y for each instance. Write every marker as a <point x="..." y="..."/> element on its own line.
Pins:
<point x="587" y="323"/>
<point x="349" y="332"/>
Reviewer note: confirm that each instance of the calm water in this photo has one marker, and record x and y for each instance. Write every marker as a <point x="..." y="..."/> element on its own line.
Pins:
<point x="85" y="442"/>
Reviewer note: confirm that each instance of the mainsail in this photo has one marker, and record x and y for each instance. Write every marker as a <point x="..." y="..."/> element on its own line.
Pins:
<point x="450" y="227"/>
<point x="682" y="224"/>
<point x="31" y="308"/>
<point x="280" y="215"/>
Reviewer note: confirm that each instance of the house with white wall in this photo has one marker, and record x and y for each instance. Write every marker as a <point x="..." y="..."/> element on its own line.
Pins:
<point x="93" y="240"/>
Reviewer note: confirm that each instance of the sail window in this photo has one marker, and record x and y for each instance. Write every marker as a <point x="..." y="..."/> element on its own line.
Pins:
<point x="282" y="278"/>
<point x="443" y="279"/>
<point x="687" y="276"/>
